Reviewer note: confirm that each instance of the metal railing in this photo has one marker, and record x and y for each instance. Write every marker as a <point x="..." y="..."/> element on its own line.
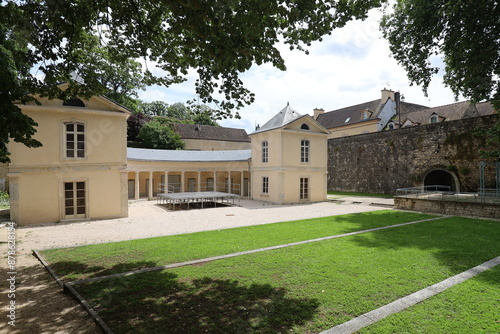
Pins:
<point x="444" y="193"/>
<point x="204" y="186"/>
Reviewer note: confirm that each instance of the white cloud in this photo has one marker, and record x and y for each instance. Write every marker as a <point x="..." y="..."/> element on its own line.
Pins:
<point x="349" y="67"/>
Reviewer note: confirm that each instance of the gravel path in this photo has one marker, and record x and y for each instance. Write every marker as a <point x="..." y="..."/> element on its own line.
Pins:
<point x="41" y="307"/>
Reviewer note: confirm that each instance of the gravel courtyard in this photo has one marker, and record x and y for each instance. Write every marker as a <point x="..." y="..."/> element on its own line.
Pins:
<point x="41" y="307"/>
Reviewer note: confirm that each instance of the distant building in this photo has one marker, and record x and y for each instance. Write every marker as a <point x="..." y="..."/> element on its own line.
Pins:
<point x="198" y="137"/>
<point x="450" y="112"/>
<point x="371" y="116"/>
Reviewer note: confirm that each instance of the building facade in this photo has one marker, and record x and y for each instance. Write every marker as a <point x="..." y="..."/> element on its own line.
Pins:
<point x="79" y="172"/>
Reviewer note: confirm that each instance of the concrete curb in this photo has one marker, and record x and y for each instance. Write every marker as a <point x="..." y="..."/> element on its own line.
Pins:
<point x="372" y="317"/>
<point x="71" y="291"/>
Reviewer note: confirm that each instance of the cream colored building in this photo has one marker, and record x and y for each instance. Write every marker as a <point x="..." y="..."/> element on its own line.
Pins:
<point x="85" y="171"/>
<point x="289" y="159"/>
<point x="79" y="172"/>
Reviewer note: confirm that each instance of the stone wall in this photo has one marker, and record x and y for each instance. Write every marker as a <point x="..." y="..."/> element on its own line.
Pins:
<point x="384" y="161"/>
<point x="449" y="208"/>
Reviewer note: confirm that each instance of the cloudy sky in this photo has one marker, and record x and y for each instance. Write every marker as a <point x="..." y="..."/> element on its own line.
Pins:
<point x="349" y="67"/>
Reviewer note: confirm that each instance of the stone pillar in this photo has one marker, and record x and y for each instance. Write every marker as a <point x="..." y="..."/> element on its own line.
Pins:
<point x="199" y="181"/>
<point x="165" y="185"/>
<point x="124" y="194"/>
<point x="14" y="197"/>
<point x="137" y="185"/>
<point x="182" y="181"/>
<point x="242" y="182"/>
<point x="229" y="185"/>
<point x="215" y="180"/>
<point x="150" y="185"/>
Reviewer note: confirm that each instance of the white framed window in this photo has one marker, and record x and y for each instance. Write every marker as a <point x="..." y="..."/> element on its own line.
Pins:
<point x="75" y="200"/>
<point x="304" y="150"/>
<point x="304" y="188"/>
<point x="265" y="151"/>
<point x="265" y="185"/>
<point x="74" y="140"/>
<point x="434" y="119"/>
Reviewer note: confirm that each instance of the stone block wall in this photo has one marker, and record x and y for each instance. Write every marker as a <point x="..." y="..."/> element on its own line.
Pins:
<point x="449" y="208"/>
<point x="384" y="161"/>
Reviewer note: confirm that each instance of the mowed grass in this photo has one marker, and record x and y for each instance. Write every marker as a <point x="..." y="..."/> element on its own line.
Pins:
<point x="105" y="259"/>
<point x="309" y="288"/>
<point x="470" y="307"/>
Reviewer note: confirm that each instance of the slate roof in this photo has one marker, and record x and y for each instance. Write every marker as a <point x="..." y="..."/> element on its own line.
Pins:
<point x="207" y="132"/>
<point x="284" y="117"/>
<point x="485" y="108"/>
<point x="353" y="114"/>
<point x="449" y="112"/>
<point x="143" y="154"/>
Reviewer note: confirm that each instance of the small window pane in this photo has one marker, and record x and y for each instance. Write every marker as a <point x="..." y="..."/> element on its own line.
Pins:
<point x="80" y="185"/>
<point x="70" y="137"/>
<point x="68" y="186"/>
<point x="80" y="210"/>
<point x="70" y="127"/>
<point x="69" y="211"/>
<point x="80" y="137"/>
<point x="80" y="128"/>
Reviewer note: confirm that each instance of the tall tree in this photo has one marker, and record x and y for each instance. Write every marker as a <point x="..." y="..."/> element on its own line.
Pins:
<point x="218" y="38"/>
<point x="466" y="34"/>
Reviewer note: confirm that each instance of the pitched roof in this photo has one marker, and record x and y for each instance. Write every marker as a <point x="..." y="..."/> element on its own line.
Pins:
<point x="207" y="132"/>
<point x="143" y="154"/>
<point x="449" y="112"/>
<point x="485" y="108"/>
<point x="353" y="114"/>
<point x="285" y="116"/>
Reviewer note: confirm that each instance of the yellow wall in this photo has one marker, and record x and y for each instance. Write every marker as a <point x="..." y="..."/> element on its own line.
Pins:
<point x="284" y="168"/>
<point x="37" y="175"/>
<point x="353" y="129"/>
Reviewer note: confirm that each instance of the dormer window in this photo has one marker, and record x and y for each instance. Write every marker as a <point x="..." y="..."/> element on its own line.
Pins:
<point x="304" y="126"/>
<point x="74" y="103"/>
<point x="366" y="114"/>
<point x="434" y="119"/>
<point x="347" y="119"/>
<point x="391" y="126"/>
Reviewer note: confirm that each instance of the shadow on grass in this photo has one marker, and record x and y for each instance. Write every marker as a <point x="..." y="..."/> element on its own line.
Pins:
<point x="67" y="270"/>
<point x="158" y="302"/>
<point x="458" y="243"/>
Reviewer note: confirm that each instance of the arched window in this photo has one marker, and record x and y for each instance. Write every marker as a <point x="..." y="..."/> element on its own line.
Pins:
<point x="265" y="151"/>
<point x="434" y="119"/>
<point x="304" y="126"/>
<point x="74" y="103"/>
<point x="391" y="126"/>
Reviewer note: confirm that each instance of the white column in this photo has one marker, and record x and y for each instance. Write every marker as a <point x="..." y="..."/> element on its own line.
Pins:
<point x="199" y="181"/>
<point x="150" y="186"/>
<point x="242" y="182"/>
<point x="215" y="180"/>
<point x="136" y="188"/>
<point x="165" y="185"/>
<point x="229" y="185"/>
<point x="182" y="181"/>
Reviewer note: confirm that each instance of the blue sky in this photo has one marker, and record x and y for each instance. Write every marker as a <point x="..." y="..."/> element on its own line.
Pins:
<point x="349" y="67"/>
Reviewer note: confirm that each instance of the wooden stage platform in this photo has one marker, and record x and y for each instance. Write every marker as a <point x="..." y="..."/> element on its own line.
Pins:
<point x="196" y="198"/>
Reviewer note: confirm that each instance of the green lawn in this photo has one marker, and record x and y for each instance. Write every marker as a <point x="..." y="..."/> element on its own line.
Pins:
<point x="301" y="289"/>
<point x="104" y="259"/>
<point x="470" y="307"/>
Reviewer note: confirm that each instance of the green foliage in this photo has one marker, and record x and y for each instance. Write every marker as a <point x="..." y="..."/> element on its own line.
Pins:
<point x="219" y="40"/>
<point x="158" y="135"/>
<point x="4" y="200"/>
<point x="465" y="33"/>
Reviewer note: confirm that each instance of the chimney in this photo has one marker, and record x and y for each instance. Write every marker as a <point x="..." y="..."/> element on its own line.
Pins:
<point x="317" y="112"/>
<point x="386" y="94"/>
